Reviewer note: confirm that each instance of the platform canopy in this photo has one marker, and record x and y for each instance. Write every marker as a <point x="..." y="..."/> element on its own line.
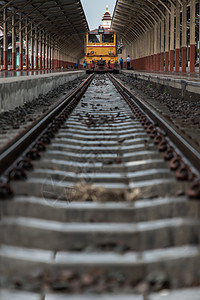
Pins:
<point x="63" y="20"/>
<point x="132" y="18"/>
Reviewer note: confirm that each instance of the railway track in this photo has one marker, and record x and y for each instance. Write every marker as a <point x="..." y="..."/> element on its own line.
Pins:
<point x="105" y="208"/>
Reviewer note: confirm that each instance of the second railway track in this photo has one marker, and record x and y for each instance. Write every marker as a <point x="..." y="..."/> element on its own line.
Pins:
<point x="103" y="152"/>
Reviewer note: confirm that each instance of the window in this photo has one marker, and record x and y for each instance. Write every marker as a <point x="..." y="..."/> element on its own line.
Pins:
<point x="108" y="38"/>
<point x="94" y="38"/>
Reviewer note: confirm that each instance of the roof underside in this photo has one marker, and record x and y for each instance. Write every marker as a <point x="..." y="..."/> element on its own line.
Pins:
<point x="132" y="18"/>
<point x="62" y="19"/>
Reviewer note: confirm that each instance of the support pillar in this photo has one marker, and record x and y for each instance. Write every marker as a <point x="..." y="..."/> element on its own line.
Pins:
<point x="199" y="39"/>
<point x="184" y="36"/>
<point x="27" y="47"/>
<point x="167" y="42"/>
<point x="32" y="48"/>
<point x="20" y="46"/>
<point x="36" y="49"/>
<point x="5" y="40"/>
<point x="55" y="55"/>
<point x="177" y="49"/>
<point x="57" y="60"/>
<point x="152" y="49"/>
<point x="158" y="46"/>
<point x="13" y="44"/>
<point x="52" y="54"/>
<point x="155" y="47"/>
<point x="172" y="39"/>
<point x="192" y="36"/>
<point x="58" y="57"/>
<point x="162" y="46"/>
<point x="47" y="52"/>
<point x="149" y="51"/>
<point x="44" y="52"/>
<point x="40" y="44"/>
<point x="61" y="60"/>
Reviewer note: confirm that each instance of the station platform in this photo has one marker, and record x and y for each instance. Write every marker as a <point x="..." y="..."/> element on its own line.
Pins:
<point x="184" y="294"/>
<point x="185" y="86"/>
<point x="23" y="86"/>
<point x="17" y="73"/>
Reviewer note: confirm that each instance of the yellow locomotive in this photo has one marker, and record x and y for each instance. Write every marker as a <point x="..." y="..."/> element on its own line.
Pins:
<point x="101" y="48"/>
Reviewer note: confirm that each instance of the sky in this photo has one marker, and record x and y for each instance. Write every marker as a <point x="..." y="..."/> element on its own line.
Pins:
<point x="95" y="9"/>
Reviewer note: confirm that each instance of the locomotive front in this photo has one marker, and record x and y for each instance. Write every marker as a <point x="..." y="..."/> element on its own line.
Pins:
<point x="101" y="51"/>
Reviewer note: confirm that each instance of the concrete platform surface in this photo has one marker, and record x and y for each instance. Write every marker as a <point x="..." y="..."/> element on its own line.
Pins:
<point x="182" y="86"/>
<point x="15" y="91"/>
<point x="184" y="294"/>
<point x="6" y="74"/>
<point x="185" y="76"/>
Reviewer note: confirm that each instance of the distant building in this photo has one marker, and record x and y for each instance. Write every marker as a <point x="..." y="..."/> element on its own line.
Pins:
<point x="107" y="19"/>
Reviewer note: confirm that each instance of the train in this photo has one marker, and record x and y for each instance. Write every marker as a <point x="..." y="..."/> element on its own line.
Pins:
<point x="101" y="51"/>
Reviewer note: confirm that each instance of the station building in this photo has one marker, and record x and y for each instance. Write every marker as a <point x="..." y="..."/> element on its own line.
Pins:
<point x="159" y="35"/>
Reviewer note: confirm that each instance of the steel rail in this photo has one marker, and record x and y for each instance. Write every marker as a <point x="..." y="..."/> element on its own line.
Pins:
<point x="191" y="154"/>
<point x="10" y="153"/>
